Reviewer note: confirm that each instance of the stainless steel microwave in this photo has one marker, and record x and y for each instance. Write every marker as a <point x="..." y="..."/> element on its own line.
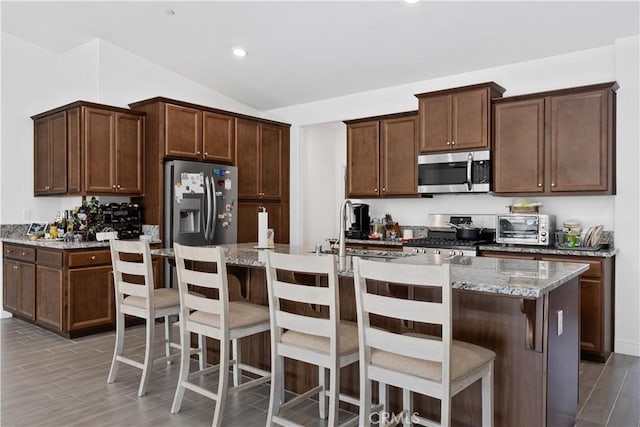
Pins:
<point x="459" y="172"/>
<point x="525" y="229"/>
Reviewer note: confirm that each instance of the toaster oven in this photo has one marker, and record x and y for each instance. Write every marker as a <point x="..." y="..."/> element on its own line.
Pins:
<point x="525" y="229"/>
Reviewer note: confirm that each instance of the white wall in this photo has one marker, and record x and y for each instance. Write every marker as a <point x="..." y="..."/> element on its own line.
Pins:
<point x="322" y="124"/>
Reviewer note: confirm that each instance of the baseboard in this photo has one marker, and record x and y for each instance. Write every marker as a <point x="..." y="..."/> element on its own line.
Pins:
<point x="5" y="314"/>
<point x="627" y="347"/>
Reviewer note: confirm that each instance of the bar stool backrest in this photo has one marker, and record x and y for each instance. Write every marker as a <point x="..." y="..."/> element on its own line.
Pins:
<point x="131" y="262"/>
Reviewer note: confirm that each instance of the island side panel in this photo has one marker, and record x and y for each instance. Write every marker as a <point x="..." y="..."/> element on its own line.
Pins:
<point x="563" y="355"/>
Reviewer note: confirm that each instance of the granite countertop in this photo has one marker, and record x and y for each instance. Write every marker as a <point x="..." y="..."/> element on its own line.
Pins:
<point x="518" y="278"/>
<point x="59" y="244"/>
<point x="605" y="253"/>
<point x="586" y="252"/>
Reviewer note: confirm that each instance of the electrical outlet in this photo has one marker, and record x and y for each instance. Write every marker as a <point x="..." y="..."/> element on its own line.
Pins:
<point x="560" y="322"/>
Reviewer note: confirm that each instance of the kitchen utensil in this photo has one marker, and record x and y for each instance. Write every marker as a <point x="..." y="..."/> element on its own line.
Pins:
<point x="466" y="231"/>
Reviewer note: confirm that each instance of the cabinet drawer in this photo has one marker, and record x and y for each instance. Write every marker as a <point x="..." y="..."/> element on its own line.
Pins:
<point x="20" y="253"/>
<point x="50" y="258"/>
<point x="595" y="265"/>
<point x="85" y="258"/>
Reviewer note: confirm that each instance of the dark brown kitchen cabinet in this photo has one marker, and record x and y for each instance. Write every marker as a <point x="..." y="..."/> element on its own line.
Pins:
<point x="50" y="298"/>
<point x="597" y="286"/>
<point x="113" y="152"/>
<point x="456" y="119"/>
<point x="181" y="130"/>
<point x="382" y="156"/>
<point x="19" y="279"/>
<point x="50" y="154"/>
<point x="196" y="134"/>
<point x="248" y="221"/>
<point x="262" y="159"/>
<point x="110" y="140"/>
<point x="556" y="143"/>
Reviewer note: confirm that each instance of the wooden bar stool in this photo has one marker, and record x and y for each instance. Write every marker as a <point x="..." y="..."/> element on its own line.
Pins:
<point x="135" y="295"/>
<point x="433" y="366"/>
<point x="328" y="343"/>
<point x="215" y="317"/>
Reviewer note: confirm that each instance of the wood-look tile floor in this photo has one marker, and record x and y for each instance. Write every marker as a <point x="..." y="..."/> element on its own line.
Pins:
<point x="47" y="380"/>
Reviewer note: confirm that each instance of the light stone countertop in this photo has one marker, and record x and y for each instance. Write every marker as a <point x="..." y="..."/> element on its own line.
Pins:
<point x="59" y="244"/>
<point x="518" y="278"/>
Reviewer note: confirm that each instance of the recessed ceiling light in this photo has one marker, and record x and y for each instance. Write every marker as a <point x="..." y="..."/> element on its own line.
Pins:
<point x="411" y="1"/>
<point x="238" y="51"/>
<point x="170" y="12"/>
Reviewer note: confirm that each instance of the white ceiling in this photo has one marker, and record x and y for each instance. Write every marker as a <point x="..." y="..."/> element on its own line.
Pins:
<point x="302" y="51"/>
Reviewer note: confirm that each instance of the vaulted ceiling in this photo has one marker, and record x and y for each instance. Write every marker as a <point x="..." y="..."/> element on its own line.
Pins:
<point x="302" y="51"/>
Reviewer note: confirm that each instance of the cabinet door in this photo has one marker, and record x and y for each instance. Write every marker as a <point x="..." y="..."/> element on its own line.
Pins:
<point x="247" y="149"/>
<point x="50" y="154"/>
<point x="129" y="153"/>
<point x="271" y="169"/>
<point x="218" y="137"/>
<point x="50" y="298"/>
<point x="435" y="123"/>
<point x="99" y="156"/>
<point x="183" y="132"/>
<point x="74" y="168"/>
<point x="398" y="161"/>
<point x="519" y="147"/>
<point x="363" y="159"/>
<point x="470" y="120"/>
<point x="91" y="297"/>
<point x="580" y="141"/>
<point x="248" y="222"/>
<point x="591" y="322"/>
<point x="11" y="285"/>
<point x="41" y="156"/>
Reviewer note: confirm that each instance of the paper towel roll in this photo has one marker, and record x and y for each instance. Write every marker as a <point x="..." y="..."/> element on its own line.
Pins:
<point x="263" y="226"/>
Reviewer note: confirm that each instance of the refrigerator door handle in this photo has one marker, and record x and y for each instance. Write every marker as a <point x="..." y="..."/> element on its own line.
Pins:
<point x="208" y="202"/>
<point x="214" y="211"/>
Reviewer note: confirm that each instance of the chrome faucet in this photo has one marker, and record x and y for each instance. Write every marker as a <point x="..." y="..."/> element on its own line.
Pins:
<point x="342" y="250"/>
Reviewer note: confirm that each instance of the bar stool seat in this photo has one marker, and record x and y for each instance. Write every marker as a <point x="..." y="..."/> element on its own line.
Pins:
<point x="465" y="358"/>
<point x="241" y="315"/>
<point x="162" y="298"/>
<point x="347" y="341"/>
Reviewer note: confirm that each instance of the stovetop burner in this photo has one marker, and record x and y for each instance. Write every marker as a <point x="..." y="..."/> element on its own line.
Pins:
<point x="438" y="242"/>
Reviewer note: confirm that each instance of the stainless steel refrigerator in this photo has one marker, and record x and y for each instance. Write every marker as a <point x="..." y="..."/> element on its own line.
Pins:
<point x="200" y="203"/>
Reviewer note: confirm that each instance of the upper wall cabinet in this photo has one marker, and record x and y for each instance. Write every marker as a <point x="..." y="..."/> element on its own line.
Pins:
<point x="87" y="148"/>
<point x="382" y="156"/>
<point x="190" y="132"/>
<point x="556" y="143"/>
<point x="197" y="134"/>
<point x="456" y="119"/>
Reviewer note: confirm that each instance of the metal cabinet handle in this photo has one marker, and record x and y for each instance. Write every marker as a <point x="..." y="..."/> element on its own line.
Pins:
<point x="539" y="184"/>
<point x="453" y="143"/>
<point x="113" y="186"/>
<point x="118" y="186"/>
<point x="198" y="152"/>
<point x="23" y="253"/>
<point x="448" y="143"/>
<point x="375" y="189"/>
<point x="46" y="187"/>
<point x="206" y="153"/>
<point x="553" y="184"/>
<point x="93" y="257"/>
<point x="15" y="267"/>
<point x="8" y="251"/>
<point x="384" y="189"/>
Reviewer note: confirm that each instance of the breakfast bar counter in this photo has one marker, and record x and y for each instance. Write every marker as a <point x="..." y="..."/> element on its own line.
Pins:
<point x="527" y="312"/>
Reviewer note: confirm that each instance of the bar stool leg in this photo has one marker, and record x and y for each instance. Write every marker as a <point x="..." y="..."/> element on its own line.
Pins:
<point x="365" y="401"/>
<point x="322" y="396"/>
<point x="148" y="357"/>
<point x="334" y="384"/>
<point x="407" y="407"/>
<point x="222" y="384"/>
<point x="445" y="411"/>
<point x="237" y="372"/>
<point x="118" y="348"/>
<point x="277" y="387"/>
<point x="202" y="356"/>
<point x="185" y="356"/>
<point x="487" y="398"/>
<point x="167" y="338"/>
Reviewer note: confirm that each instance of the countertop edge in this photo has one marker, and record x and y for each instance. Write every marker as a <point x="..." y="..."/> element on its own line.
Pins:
<point x="61" y="245"/>
<point x="601" y="253"/>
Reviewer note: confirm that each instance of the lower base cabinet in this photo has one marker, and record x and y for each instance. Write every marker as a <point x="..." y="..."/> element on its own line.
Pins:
<point x="69" y="292"/>
<point x="596" y="301"/>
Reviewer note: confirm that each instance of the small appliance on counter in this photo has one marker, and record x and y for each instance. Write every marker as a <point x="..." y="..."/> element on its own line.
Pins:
<point x="525" y="229"/>
<point x="359" y="228"/>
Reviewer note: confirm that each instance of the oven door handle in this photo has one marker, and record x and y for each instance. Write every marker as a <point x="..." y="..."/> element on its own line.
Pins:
<point x="469" y="165"/>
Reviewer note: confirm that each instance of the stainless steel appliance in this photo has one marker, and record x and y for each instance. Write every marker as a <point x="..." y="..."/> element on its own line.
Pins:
<point x="200" y="203"/>
<point x="359" y="228"/>
<point x="459" y="172"/>
<point x="525" y="229"/>
<point x="442" y="240"/>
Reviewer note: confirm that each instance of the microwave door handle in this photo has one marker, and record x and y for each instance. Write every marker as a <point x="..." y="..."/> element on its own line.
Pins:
<point x="469" y="165"/>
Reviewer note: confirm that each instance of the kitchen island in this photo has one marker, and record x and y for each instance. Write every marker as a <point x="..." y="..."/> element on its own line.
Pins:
<point x="527" y="312"/>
